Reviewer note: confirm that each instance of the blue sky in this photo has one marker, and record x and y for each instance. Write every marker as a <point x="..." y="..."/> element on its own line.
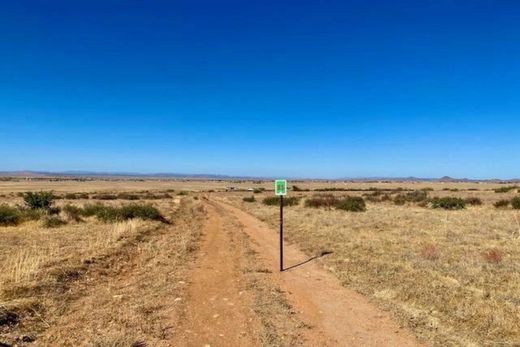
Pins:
<point x="270" y="88"/>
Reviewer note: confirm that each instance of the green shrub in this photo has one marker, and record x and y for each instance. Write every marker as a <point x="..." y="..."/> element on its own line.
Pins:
<point x="325" y="200"/>
<point x="39" y="200"/>
<point x="448" y="203"/>
<point x="515" y="203"/>
<point x="145" y="212"/>
<point x="249" y="198"/>
<point x="474" y="201"/>
<point x="275" y="201"/>
<point x="352" y="204"/>
<point x="9" y="215"/>
<point x="502" y="203"/>
<point x="505" y="189"/>
<point x="73" y="212"/>
<point x="53" y="222"/>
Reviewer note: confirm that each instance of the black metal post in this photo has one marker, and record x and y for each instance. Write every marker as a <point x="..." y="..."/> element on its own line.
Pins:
<point x="281" y="233"/>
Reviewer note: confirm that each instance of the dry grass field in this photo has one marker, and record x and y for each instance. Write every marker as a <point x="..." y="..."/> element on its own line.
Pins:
<point x="453" y="277"/>
<point x="450" y="276"/>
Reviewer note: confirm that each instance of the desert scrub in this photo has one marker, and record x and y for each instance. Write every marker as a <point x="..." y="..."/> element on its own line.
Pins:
<point x="125" y="212"/>
<point x="9" y="215"/>
<point x="473" y="201"/>
<point x="515" y="203"/>
<point x="415" y="196"/>
<point x="324" y="200"/>
<point x="249" y="199"/>
<point x="275" y="201"/>
<point x="53" y="222"/>
<point x="39" y="200"/>
<point x="505" y="189"/>
<point x="127" y="196"/>
<point x="73" y="213"/>
<point x="448" y="203"/>
<point x="351" y="204"/>
<point x="502" y="203"/>
<point x="105" y="197"/>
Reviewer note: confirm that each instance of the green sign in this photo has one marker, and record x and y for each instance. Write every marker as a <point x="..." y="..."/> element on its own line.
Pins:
<point x="280" y="187"/>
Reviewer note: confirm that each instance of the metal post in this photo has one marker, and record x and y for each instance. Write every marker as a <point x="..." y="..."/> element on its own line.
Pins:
<point x="281" y="233"/>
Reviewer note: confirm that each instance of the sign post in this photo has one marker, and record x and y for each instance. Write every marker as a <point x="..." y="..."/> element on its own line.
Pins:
<point x="280" y="189"/>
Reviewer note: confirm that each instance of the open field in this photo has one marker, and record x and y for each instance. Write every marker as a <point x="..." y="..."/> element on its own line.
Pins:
<point x="447" y="277"/>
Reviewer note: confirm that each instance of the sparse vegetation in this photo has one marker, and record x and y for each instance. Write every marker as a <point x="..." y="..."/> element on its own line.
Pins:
<point x="249" y="198"/>
<point x="104" y="197"/>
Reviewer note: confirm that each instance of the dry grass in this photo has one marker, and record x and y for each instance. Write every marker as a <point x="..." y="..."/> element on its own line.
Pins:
<point x="52" y="278"/>
<point x="451" y="276"/>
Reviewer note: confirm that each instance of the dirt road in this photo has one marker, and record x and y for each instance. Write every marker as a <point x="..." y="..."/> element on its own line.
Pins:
<point x="220" y="311"/>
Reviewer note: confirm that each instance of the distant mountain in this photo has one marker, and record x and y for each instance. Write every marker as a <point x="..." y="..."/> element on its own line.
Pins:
<point x="167" y="175"/>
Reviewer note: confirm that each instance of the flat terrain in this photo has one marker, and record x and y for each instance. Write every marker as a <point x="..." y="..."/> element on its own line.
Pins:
<point x="207" y="274"/>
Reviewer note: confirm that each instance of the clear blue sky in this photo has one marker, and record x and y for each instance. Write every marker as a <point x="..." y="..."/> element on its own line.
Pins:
<point x="276" y="88"/>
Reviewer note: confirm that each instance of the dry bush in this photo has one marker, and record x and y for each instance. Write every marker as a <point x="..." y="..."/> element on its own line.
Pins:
<point x="429" y="252"/>
<point x="502" y="203"/>
<point x="321" y="200"/>
<point x="352" y="204"/>
<point x="9" y="215"/>
<point x="493" y="255"/>
<point x="473" y="201"/>
<point x="515" y="203"/>
<point x="448" y="203"/>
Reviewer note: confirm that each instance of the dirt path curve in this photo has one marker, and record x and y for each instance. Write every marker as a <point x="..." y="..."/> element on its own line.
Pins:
<point x="218" y="312"/>
<point x="338" y="316"/>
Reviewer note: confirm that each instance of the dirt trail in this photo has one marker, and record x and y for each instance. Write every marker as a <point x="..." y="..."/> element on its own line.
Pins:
<point x="218" y="312"/>
<point x="337" y="316"/>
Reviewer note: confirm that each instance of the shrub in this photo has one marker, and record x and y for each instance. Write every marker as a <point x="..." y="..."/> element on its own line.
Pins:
<point x="9" y="215"/>
<point x="502" y="203"/>
<point x="415" y="196"/>
<point x="115" y="214"/>
<point x="352" y="204"/>
<point x="474" y="201"/>
<point x="39" y="200"/>
<point x="127" y="196"/>
<point x="326" y="200"/>
<point x="505" y="189"/>
<point x="145" y="212"/>
<point x="249" y="198"/>
<point x="515" y="203"/>
<point x="105" y="197"/>
<point x="90" y="210"/>
<point x="73" y="212"/>
<point x="75" y="196"/>
<point x="448" y="203"/>
<point x="493" y="255"/>
<point x="53" y="222"/>
<point x="275" y="201"/>
<point x="258" y="190"/>
<point x="182" y="192"/>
